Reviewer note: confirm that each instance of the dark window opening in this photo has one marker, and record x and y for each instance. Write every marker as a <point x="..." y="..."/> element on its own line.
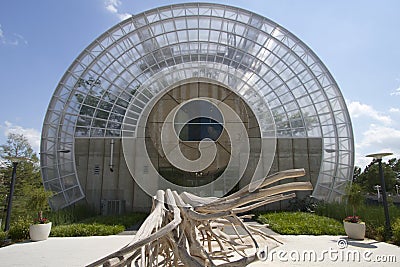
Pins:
<point x="201" y="128"/>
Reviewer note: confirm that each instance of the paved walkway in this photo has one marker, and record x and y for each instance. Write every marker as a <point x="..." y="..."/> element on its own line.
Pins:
<point x="296" y="251"/>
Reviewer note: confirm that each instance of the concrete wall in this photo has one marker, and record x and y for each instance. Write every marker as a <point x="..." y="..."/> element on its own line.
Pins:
<point x="104" y="189"/>
<point x="99" y="183"/>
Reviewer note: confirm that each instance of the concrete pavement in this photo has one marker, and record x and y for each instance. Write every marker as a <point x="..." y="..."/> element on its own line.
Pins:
<point x="328" y="251"/>
<point x="296" y="251"/>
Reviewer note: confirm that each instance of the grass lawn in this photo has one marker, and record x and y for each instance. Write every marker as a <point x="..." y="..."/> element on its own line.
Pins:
<point x="301" y="223"/>
<point x="98" y="225"/>
<point x="66" y="225"/>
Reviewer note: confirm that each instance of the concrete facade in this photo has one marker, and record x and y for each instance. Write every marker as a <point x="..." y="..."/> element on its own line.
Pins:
<point x="103" y="187"/>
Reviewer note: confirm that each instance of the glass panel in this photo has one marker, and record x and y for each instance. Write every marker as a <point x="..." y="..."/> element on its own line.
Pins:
<point x="58" y="201"/>
<point x="73" y="194"/>
<point x="49" y="173"/>
<point x="256" y="59"/>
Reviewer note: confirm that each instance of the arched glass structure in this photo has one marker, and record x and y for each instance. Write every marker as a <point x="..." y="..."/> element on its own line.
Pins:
<point x="138" y="61"/>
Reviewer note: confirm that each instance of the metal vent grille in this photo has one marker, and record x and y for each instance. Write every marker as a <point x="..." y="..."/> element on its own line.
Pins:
<point x="112" y="207"/>
<point x="96" y="170"/>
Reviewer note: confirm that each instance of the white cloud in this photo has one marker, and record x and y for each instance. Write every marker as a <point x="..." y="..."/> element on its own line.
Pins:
<point x="361" y="160"/>
<point x="381" y="136"/>
<point x="21" y="38"/>
<point x="113" y="7"/>
<point x="2" y="39"/>
<point x="33" y="135"/>
<point x="357" y="109"/>
<point x="394" y="110"/>
<point x="396" y="92"/>
<point x="124" y="16"/>
<point x="16" y="38"/>
<point x="377" y="139"/>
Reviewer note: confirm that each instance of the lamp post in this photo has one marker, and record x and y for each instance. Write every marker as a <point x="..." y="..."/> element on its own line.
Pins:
<point x="377" y="188"/>
<point x="378" y="157"/>
<point x="10" y="196"/>
<point x="397" y="188"/>
<point x="15" y="161"/>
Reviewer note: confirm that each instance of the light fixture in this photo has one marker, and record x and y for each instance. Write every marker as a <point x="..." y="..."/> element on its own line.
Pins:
<point x="378" y="157"/>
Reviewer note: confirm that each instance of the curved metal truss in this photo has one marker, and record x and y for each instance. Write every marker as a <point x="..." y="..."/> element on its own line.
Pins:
<point x="251" y="55"/>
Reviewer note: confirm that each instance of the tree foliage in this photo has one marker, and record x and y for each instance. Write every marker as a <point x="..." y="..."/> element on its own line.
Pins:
<point x="28" y="183"/>
<point x="17" y="147"/>
<point x="354" y="196"/>
<point x="370" y="176"/>
<point x="356" y="173"/>
<point x="395" y="165"/>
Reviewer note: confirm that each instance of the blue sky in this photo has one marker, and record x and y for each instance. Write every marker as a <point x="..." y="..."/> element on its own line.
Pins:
<point x="357" y="40"/>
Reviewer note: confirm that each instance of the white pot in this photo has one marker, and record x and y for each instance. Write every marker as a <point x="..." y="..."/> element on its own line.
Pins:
<point x="39" y="232"/>
<point x="355" y="230"/>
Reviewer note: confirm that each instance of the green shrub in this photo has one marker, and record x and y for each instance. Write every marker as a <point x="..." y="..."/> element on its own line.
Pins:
<point x="396" y="231"/>
<point x="335" y="210"/>
<point x="126" y="220"/>
<point x="37" y="199"/>
<point x="93" y="226"/>
<point x="375" y="232"/>
<point x="69" y="215"/>
<point x="80" y="229"/>
<point x="3" y="237"/>
<point x="19" y="229"/>
<point x="372" y="215"/>
<point x="301" y="223"/>
<point x="355" y="196"/>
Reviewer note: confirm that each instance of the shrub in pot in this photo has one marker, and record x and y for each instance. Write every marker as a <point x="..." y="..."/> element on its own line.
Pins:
<point x="353" y="226"/>
<point x="38" y="201"/>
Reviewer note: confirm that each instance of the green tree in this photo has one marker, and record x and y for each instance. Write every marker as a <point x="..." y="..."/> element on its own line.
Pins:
<point x="370" y="177"/>
<point x="28" y="178"/>
<point x="356" y="174"/>
<point x="395" y="165"/>
<point x="354" y="196"/>
<point x="17" y="147"/>
<point x="37" y="200"/>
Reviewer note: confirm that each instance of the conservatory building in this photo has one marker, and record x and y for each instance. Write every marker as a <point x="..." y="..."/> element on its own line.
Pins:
<point x="196" y="97"/>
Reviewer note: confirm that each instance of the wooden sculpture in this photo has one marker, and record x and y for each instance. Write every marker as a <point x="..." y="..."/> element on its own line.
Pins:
<point x="187" y="230"/>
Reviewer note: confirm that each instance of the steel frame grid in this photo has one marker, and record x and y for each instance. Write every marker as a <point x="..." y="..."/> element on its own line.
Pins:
<point x="285" y="71"/>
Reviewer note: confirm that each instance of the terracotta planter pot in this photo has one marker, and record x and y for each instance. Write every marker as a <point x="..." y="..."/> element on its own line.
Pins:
<point x="355" y="230"/>
<point x="39" y="232"/>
